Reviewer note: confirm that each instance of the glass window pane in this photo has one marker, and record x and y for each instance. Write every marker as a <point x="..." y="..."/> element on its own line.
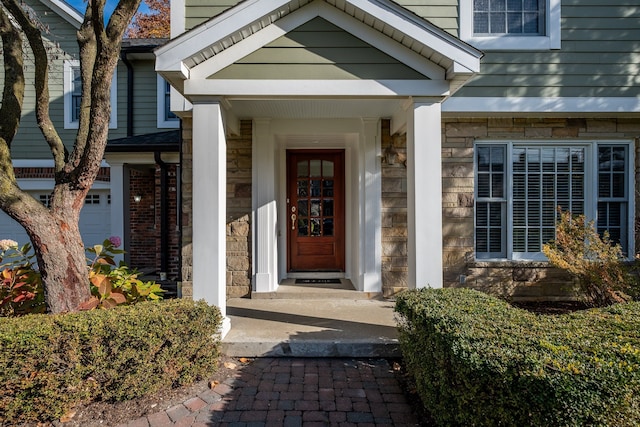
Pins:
<point x="497" y="159"/>
<point x="481" y="23"/>
<point x="495" y="240"/>
<point x="482" y="240"/>
<point x="315" y="187"/>
<point x="497" y="187"/>
<point x="315" y="229"/>
<point x="497" y="5"/>
<point x="315" y="207"/>
<point x="495" y="211"/>
<point x="303" y="227"/>
<point x="482" y="214"/>
<point x="302" y="188"/>
<point x="315" y="168"/>
<point x="604" y="185"/>
<point x="514" y="23"/>
<point x="303" y="208"/>
<point x="481" y="5"/>
<point x="303" y="169"/>
<point x="327" y="188"/>
<point x="327" y="207"/>
<point x="327" y="169"/>
<point x="327" y="227"/>
<point x="483" y="159"/>
<point x="531" y="24"/>
<point x="497" y="24"/>
<point x="618" y="185"/>
<point x="484" y="189"/>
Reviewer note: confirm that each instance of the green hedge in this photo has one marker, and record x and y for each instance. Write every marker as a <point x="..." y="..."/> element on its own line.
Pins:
<point x="477" y="361"/>
<point x="50" y="363"/>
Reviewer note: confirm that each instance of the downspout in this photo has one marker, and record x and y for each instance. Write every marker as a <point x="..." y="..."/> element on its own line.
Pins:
<point x="164" y="213"/>
<point x="179" y="207"/>
<point x="125" y="61"/>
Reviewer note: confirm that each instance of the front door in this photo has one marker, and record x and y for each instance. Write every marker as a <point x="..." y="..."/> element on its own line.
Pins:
<point x="315" y="205"/>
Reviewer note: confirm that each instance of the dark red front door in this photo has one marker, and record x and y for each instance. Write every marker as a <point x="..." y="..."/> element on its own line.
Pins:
<point x="315" y="205"/>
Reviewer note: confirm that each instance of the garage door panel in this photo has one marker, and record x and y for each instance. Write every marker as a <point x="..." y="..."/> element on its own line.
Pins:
<point x="95" y="219"/>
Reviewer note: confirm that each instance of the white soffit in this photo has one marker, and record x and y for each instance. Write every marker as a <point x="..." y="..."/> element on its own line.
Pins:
<point x="240" y="22"/>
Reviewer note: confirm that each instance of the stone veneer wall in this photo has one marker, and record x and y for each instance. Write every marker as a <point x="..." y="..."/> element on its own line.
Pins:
<point x="518" y="280"/>
<point x="394" y="215"/>
<point x="238" y="211"/>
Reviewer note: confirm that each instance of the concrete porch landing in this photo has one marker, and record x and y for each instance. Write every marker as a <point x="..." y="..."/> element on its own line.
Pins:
<point x="312" y="321"/>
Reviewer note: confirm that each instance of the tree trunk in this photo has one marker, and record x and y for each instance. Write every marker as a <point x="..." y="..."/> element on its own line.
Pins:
<point x="58" y="246"/>
<point x="62" y="261"/>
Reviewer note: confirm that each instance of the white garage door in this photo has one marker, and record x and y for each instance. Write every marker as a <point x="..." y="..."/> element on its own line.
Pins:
<point x="95" y="224"/>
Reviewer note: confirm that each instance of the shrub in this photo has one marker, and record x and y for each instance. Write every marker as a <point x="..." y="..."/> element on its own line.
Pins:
<point x="113" y="285"/>
<point x="595" y="260"/>
<point x="21" y="290"/>
<point x="49" y="363"/>
<point x="478" y="361"/>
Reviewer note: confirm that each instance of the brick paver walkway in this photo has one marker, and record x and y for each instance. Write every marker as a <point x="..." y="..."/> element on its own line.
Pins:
<point x="296" y="392"/>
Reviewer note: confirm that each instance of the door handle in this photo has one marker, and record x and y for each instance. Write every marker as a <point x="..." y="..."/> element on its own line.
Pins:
<point x="293" y="221"/>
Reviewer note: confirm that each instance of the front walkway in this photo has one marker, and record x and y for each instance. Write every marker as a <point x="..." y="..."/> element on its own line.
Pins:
<point x="312" y="321"/>
<point x="296" y="392"/>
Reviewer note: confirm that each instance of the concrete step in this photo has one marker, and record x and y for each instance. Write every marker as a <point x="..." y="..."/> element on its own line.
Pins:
<point x="289" y="289"/>
<point x="310" y="327"/>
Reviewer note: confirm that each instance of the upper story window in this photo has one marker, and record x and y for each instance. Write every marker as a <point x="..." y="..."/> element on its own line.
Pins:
<point x="511" y="24"/>
<point x="166" y="117"/>
<point x="72" y="88"/>
<point x="519" y="186"/>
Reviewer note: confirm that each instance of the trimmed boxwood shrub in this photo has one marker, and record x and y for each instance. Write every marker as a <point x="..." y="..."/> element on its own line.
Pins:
<point x="478" y="361"/>
<point x="48" y="363"/>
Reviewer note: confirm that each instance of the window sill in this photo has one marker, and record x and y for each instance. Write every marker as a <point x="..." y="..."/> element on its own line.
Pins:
<point x="512" y="43"/>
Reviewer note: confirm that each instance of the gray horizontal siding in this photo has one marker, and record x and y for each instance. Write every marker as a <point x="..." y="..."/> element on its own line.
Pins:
<point x="600" y="56"/>
<point x="318" y="50"/>
<point x="199" y="11"/>
<point x="62" y="44"/>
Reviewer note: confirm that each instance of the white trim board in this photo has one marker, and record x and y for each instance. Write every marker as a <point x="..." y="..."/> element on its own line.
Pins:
<point x="335" y="88"/>
<point x="502" y="105"/>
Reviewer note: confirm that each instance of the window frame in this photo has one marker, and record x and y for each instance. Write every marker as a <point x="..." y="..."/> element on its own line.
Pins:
<point x="549" y="41"/>
<point x="69" y="121"/>
<point x="591" y="196"/>
<point x="163" y="121"/>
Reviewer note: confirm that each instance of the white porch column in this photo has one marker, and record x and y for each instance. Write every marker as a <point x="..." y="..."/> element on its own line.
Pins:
<point x="210" y="207"/>
<point x="370" y="219"/>
<point x="424" y="194"/>
<point x="265" y="248"/>
<point x="118" y="194"/>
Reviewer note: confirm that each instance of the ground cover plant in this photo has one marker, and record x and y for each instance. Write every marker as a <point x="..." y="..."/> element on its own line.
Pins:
<point x="478" y="361"/>
<point x="50" y="363"/>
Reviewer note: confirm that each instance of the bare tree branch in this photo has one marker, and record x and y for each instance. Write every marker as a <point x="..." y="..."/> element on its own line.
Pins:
<point x="41" y="83"/>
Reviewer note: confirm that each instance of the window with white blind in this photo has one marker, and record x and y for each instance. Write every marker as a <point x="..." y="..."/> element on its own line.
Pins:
<point x="519" y="187"/>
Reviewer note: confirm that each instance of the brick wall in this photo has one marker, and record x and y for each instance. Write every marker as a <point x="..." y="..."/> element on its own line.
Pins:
<point x="47" y="173"/>
<point x="142" y="220"/>
<point x="238" y="211"/>
<point x="145" y="235"/>
<point x="522" y="280"/>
